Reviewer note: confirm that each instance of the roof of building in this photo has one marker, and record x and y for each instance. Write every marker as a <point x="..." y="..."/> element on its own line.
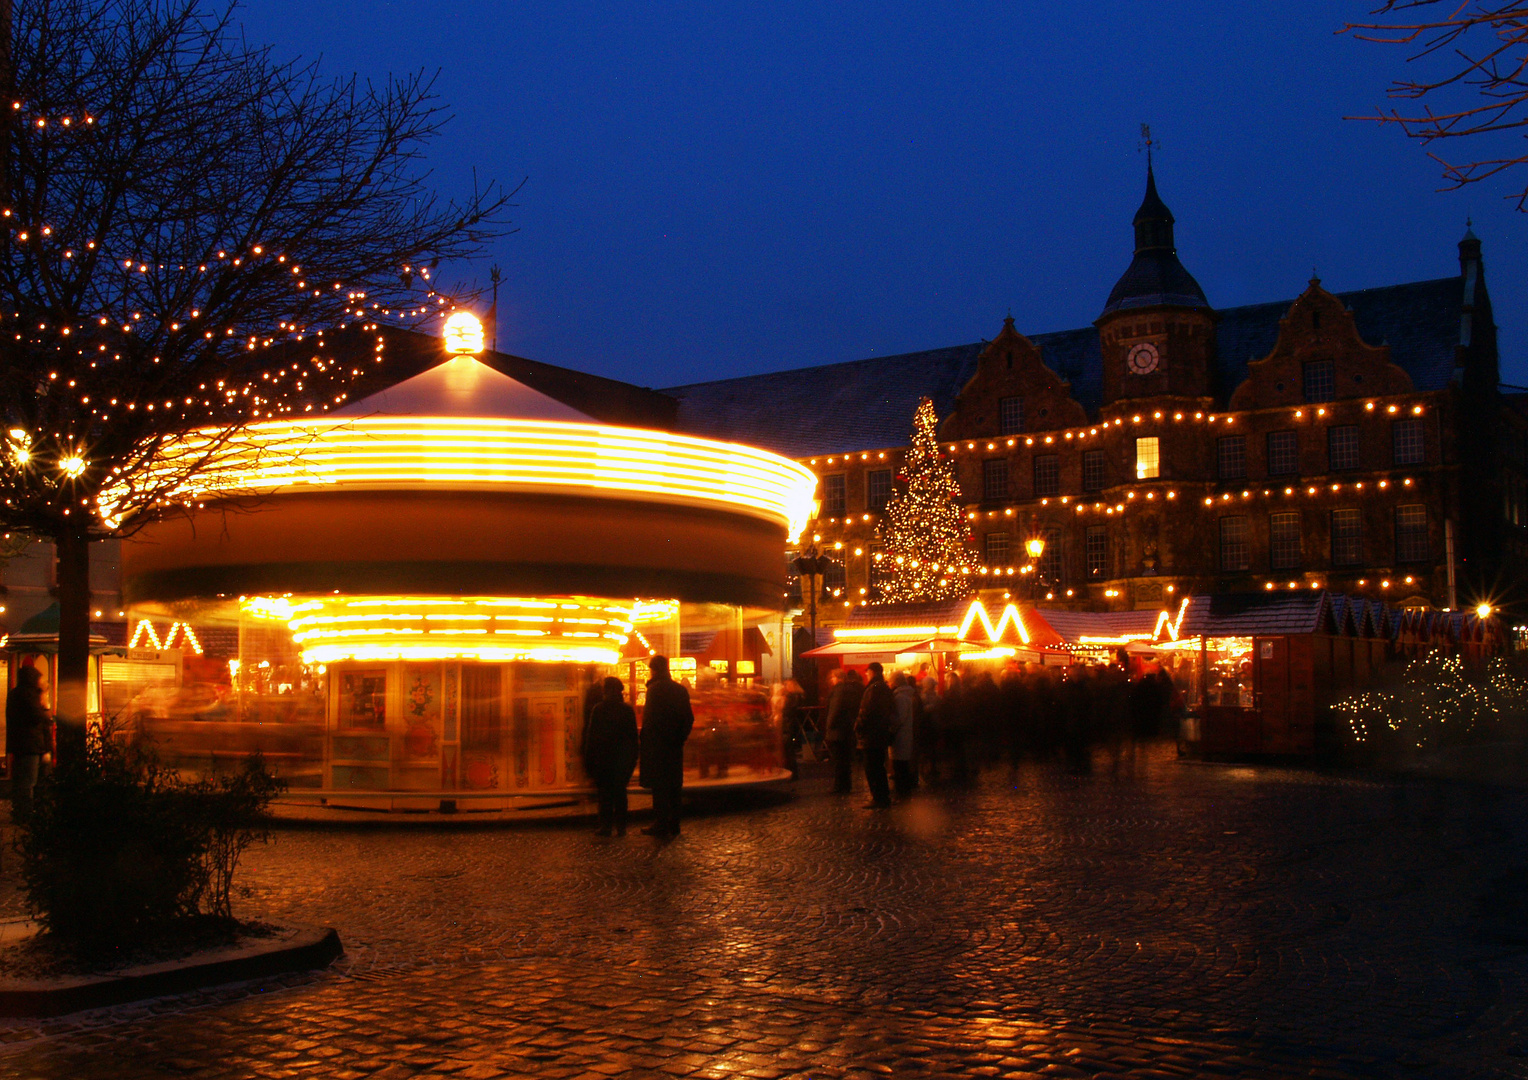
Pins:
<point x="1071" y="625"/>
<point x="869" y="404"/>
<point x="463" y="386"/>
<point x="1154" y="276"/>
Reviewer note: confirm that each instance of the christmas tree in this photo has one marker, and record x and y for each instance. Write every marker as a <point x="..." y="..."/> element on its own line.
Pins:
<point x="923" y="531"/>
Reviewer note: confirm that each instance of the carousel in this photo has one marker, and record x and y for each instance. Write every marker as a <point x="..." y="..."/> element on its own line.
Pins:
<point x="406" y="602"/>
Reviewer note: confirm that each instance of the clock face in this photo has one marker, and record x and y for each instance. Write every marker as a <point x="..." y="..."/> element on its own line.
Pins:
<point x="1143" y="358"/>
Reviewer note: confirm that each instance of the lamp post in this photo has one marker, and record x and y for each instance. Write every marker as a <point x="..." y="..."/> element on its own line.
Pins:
<point x="810" y="566"/>
<point x="1034" y="547"/>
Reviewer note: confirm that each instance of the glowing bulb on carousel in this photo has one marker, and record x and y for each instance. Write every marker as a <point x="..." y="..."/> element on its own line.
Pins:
<point x="463" y="334"/>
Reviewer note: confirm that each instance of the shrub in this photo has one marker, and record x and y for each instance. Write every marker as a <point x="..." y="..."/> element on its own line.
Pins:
<point x="119" y="848"/>
<point x="1439" y="703"/>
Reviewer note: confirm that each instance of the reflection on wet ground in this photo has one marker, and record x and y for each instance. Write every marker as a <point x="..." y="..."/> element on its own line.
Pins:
<point x="1164" y="920"/>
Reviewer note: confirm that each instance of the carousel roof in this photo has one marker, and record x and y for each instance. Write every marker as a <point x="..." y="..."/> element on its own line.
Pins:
<point x="463" y="386"/>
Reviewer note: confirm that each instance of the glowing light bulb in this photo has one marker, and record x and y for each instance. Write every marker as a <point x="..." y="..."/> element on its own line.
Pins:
<point x="463" y="334"/>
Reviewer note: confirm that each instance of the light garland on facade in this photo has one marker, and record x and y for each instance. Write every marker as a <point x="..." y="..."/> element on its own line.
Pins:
<point x="329" y="629"/>
<point x="540" y="456"/>
<point x="145" y="629"/>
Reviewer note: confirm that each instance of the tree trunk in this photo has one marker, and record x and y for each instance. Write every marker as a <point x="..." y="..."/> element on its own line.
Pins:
<point x="73" y="642"/>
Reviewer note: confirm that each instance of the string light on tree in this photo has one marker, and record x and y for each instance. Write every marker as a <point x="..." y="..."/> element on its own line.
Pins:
<point x="923" y="531"/>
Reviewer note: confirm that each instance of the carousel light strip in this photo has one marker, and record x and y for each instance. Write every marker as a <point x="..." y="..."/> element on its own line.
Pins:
<point x="534" y="455"/>
<point x="331" y="628"/>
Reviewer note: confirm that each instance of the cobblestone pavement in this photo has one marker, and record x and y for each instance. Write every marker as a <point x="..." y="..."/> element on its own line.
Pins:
<point x="1171" y="920"/>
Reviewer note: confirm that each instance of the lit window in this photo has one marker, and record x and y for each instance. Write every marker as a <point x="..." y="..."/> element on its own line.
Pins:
<point x="995" y="480"/>
<point x="1010" y="415"/>
<point x="1096" y="550"/>
<point x="1320" y="380"/>
<point x="1231" y="457"/>
<point x="833" y="577"/>
<point x="1283" y="453"/>
<point x="1285" y="542"/>
<point x="1342" y="447"/>
<point x="996" y="549"/>
<point x="1347" y="538"/>
<point x="1047" y="475"/>
<point x="1148" y="457"/>
<point x="1411" y="534"/>
<point x="833" y="495"/>
<point x="877" y="490"/>
<point x="1092" y="470"/>
<point x="1234" y="552"/>
<point x="1406" y="442"/>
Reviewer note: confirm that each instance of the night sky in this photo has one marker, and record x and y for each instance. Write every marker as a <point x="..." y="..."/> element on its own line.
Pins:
<point x="720" y="188"/>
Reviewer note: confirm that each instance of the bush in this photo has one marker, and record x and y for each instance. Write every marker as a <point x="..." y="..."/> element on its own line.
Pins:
<point x="1439" y="703"/>
<point x="119" y="849"/>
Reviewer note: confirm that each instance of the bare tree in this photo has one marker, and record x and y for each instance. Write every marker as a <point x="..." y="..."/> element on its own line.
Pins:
<point x="1479" y="53"/>
<point x="184" y="218"/>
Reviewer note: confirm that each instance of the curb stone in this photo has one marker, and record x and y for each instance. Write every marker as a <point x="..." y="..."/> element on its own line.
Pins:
<point x="293" y="948"/>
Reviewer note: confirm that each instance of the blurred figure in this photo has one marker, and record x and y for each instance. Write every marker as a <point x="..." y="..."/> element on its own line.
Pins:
<point x="926" y="740"/>
<point x="788" y="702"/>
<point x="667" y="720"/>
<point x="904" y="732"/>
<point x="26" y="738"/>
<point x="843" y="712"/>
<point x="952" y="725"/>
<point x="1076" y="717"/>
<point x="610" y="754"/>
<point x="877" y="714"/>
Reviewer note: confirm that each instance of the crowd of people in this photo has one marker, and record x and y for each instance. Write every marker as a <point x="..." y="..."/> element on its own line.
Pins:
<point x="935" y="733"/>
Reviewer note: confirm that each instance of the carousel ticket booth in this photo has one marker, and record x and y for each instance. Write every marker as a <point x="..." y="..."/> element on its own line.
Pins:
<point x="433" y="582"/>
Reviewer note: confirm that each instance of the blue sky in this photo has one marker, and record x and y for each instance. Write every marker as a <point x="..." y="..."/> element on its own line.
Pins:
<point x="724" y="188"/>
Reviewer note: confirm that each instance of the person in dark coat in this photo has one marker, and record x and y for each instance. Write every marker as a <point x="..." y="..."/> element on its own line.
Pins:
<point x="666" y="723"/>
<point x="26" y="738"/>
<point x="877" y="716"/>
<point x="843" y="712"/>
<point x="610" y="755"/>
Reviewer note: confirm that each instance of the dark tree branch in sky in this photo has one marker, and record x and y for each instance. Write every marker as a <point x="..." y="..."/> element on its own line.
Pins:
<point x="1476" y="53"/>
<point x="183" y="218"/>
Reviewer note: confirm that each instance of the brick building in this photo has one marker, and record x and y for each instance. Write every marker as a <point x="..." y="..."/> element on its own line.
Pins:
<point x="1354" y="441"/>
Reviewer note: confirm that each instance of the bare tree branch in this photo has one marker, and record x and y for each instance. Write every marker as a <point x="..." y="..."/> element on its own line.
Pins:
<point x="1479" y="50"/>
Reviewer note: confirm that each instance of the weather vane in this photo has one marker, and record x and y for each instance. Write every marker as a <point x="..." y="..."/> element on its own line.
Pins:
<point x="1148" y="143"/>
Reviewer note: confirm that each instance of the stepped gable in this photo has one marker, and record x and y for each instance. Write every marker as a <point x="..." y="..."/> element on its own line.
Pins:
<point x="868" y="404"/>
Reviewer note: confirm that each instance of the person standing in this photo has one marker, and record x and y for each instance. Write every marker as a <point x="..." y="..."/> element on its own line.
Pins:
<point x="904" y="734"/>
<point x="789" y="701"/>
<point x="877" y="713"/>
<point x="610" y="755"/>
<point x="843" y="712"/>
<point x="26" y="738"/>
<point x="666" y="723"/>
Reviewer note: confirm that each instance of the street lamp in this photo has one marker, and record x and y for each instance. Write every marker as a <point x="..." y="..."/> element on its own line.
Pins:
<point x="809" y="566"/>
<point x="1034" y="547"/>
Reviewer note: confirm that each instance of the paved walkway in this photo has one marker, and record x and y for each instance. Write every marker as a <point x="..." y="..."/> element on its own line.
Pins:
<point x="1174" y="920"/>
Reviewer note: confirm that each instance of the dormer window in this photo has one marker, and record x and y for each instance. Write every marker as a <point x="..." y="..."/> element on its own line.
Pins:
<point x="1010" y="415"/>
<point x="1320" y="380"/>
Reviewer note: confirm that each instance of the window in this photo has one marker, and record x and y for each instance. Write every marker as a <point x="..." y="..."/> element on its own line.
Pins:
<point x="1010" y="412"/>
<point x="1047" y="475"/>
<point x="833" y="578"/>
<point x="1231" y="457"/>
<point x="1050" y="560"/>
<point x="1347" y="538"/>
<point x="996" y="549"/>
<point x="1234" y="553"/>
<point x="877" y="490"/>
<point x="1092" y="470"/>
<point x="1342" y="447"/>
<point x="1284" y="541"/>
<point x="1411" y="534"/>
<point x="833" y="495"/>
<point x="1096" y="550"/>
<point x="995" y="480"/>
<point x="1406" y="442"/>
<point x="1320" y="380"/>
<point x="1283" y="453"/>
<point x="1148" y="457"/>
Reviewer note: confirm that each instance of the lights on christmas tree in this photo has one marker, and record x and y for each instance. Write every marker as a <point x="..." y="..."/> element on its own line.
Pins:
<point x="922" y="532"/>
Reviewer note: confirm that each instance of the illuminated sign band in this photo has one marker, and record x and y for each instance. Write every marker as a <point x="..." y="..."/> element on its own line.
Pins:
<point x="550" y="456"/>
<point x="577" y="630"/>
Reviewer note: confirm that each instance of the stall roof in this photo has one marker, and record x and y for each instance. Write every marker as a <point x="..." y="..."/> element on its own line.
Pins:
<point x="1070" y="626"/>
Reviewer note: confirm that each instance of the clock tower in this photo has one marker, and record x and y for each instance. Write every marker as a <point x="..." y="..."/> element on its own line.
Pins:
<point x="1157" y="332"/>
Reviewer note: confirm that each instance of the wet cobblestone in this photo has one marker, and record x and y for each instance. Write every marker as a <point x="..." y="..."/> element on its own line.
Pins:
<point x="1172" y="920"/>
